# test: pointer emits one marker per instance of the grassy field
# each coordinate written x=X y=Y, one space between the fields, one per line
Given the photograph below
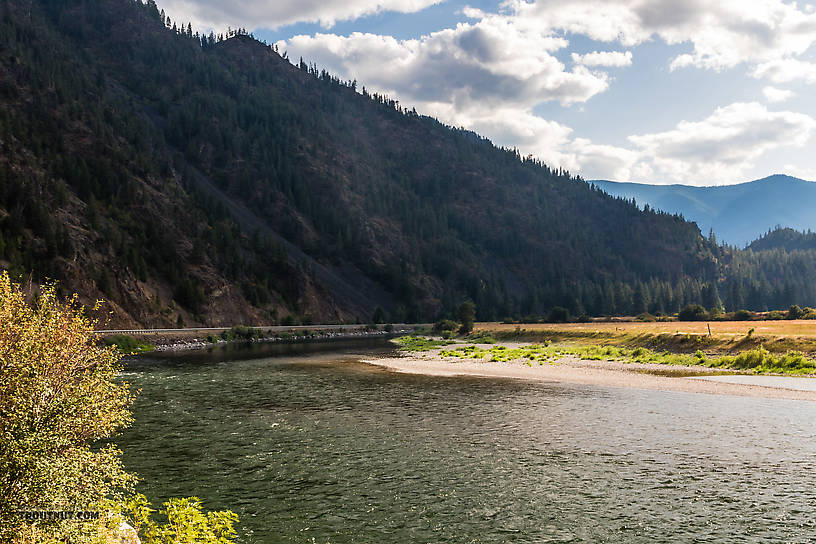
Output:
x=787 y=328
x=726 y=337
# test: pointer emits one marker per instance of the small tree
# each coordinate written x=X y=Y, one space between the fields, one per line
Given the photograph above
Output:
x=795 y=312
x=378 y=317
x=467 y=315
x=558 y=315
x=692 y=312
x=58 y=397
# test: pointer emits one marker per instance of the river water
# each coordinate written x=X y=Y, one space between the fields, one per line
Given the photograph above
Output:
x=308 y=445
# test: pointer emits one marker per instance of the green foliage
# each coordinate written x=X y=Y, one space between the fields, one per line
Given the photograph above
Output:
x=445 y=325
x=419 y=343
x=467 y=315
x=794 y=312
x=186 y=523
x=128 y=345
x=59 y=400
x=558 y=315
x=742 y=315
x=693 y=312
x=378 y=317
x=757 y=360
x=481 y=337
x=241 y=332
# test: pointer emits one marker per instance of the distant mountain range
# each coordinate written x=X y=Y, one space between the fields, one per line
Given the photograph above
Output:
x=738 y=214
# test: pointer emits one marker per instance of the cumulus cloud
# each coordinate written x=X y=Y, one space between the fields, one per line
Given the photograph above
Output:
x=774 y=94
x=490 y=63
x=786 y=70
x=723 y=34
x=604 y=58
x=722 y=146
x=254 y=14
x=486 y=75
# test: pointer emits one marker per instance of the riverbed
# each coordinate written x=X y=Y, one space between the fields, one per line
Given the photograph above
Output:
x=308 y=444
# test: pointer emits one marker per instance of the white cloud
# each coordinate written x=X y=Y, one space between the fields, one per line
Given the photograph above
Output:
x=773 y=94
x=487 y=65
x=796 y=171
x=722 y=146
x=253 y=14
x=486 y=75
x=786 y=70
x=722 y=34
x=604 y=58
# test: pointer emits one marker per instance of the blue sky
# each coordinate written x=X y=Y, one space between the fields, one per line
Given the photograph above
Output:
x=655 y=91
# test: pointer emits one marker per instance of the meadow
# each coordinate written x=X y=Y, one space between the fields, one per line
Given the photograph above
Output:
x=714 y=337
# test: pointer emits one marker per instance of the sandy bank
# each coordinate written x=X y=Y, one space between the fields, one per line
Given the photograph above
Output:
x=573 y=370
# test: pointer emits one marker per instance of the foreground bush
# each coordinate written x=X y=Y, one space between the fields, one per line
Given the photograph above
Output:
x=58 y=400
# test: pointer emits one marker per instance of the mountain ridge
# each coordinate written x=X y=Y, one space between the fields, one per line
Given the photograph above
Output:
x=187 y=179
x=739 y=213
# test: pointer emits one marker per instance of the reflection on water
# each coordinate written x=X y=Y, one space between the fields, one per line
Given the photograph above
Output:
x=318 y=448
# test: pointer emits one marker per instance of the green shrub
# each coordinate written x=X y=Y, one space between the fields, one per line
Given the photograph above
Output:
x=60 y=402
x=445 y=325
x=742 y=315
x=693 y=312
x=128 y=345
x=558 y=315
x=481 y=337
x=794 y=312
x=419 y=343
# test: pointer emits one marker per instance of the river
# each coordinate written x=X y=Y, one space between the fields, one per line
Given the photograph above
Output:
x=308 y=445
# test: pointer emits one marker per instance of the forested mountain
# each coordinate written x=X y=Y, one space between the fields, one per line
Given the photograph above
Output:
x=737 y=214
x=786 y=239
x=209 y=180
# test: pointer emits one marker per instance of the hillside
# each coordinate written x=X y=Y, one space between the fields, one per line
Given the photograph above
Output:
x=210 y=181
x=785 y=239
x=738 y=213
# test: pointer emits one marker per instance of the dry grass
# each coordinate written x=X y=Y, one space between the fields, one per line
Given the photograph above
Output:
x=796 y=328
x=675 y=336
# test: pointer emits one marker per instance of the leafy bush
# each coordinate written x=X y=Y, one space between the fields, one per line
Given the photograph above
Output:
x=419 y=343
x=693 y=312
x=742 y=315
x=646 y=317
x=59 y=400
x=445 y=325
x=481 y=337
x=185 y=522
x=240 y=332
x=558 y=315
x=128 y=345
x=794 y=312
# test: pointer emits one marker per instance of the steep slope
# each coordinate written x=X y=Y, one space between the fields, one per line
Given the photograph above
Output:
x=738 y=213
x=213 y=181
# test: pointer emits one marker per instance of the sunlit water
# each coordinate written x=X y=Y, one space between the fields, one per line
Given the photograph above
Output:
x=782 y=382
x=318 y=448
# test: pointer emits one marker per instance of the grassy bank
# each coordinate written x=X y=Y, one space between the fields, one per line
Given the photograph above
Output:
x=688 y=338
x=751 y=359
